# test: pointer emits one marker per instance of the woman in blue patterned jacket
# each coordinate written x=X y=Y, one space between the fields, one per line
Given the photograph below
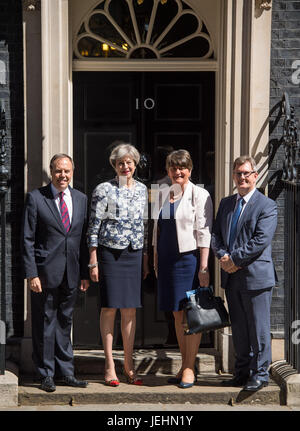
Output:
x=117 y=236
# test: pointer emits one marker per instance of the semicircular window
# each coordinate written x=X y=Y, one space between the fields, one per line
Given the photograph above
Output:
x=143 y=29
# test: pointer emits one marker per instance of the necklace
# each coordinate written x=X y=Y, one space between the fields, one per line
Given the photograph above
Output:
x=175 y=195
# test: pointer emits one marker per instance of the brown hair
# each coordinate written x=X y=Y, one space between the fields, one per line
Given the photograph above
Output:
x=180 y=158
x=60 y=156
x=244 y=159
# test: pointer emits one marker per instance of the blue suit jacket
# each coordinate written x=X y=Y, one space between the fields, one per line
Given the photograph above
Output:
x=48 y=251
x=252 y=249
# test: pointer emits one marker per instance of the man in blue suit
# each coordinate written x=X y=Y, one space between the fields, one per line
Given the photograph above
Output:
x=241 y=240
x=55 y=259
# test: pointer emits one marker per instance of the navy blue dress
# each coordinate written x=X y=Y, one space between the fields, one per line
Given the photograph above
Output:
x=177 y=272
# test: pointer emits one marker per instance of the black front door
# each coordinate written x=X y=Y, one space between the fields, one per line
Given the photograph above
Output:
x=157 y=112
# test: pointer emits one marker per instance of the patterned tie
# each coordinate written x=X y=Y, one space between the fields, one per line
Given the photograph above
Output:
x=64 y=212
x=234 y=222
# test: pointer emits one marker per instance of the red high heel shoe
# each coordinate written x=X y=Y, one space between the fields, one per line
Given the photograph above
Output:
x=134 y=380
x=113 y=383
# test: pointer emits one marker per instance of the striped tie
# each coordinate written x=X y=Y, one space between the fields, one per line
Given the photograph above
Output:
x=64 y=212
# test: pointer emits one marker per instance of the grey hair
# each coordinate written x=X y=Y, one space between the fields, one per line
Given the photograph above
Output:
x=123 y=150
x=244 y=159
x=60 y=156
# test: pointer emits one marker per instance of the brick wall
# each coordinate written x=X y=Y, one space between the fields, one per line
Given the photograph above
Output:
x=11 y=95
x=284 y=51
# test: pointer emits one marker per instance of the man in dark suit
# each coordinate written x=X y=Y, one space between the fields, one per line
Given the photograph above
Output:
x=55 y=258
x=241 y=240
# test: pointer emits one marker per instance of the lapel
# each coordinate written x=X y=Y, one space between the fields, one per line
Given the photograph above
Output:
x=160 y=196
x=182 y=204
x=74 y=208
x=49 y=199
x=164 y=195
x=229 y=210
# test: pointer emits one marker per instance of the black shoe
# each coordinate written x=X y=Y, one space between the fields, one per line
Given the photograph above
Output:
x=47 y=384
x=72 y=381
x=254 y=385
x=235 y=382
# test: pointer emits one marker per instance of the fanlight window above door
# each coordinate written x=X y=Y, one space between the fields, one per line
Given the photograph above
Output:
x=143 y=29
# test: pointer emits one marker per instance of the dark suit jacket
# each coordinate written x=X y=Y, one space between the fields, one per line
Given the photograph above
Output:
x=48 y=251
x=252 y=247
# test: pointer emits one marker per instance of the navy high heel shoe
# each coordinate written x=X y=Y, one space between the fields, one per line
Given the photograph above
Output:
x=184 y=385
x=177 y=380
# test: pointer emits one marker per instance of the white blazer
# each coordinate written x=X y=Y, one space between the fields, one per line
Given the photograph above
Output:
x=193 y=217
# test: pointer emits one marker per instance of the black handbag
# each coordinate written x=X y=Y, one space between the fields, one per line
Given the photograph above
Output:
x=204 y=312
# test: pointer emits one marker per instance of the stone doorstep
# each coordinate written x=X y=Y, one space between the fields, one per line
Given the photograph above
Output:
x=9 y=386
x=146 y=361
x=207 y=390
x=289 y=381
x=154 y=366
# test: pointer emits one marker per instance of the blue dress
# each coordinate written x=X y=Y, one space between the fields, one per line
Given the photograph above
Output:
x=177 y=272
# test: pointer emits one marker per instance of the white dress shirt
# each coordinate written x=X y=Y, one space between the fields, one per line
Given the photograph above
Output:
x=246 y=199
x=67 y=199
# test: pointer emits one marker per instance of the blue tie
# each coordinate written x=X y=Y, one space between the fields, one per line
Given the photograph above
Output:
x=234 y=222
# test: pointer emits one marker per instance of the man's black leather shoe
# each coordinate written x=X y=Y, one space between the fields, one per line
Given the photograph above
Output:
x=235 y=381
x=47 y=384
x=255 y=385
x=72 y=381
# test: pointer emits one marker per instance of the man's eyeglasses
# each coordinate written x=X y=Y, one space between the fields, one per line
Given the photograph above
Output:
x=246 y=174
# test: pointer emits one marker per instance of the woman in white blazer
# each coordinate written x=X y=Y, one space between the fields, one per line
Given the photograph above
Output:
x=183 y=216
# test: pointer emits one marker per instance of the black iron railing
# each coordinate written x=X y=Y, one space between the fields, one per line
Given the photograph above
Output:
x=4 y=177
x=291 y=179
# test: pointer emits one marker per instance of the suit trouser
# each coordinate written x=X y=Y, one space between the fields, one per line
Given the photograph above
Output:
x=52 y=312
x=250 y=320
